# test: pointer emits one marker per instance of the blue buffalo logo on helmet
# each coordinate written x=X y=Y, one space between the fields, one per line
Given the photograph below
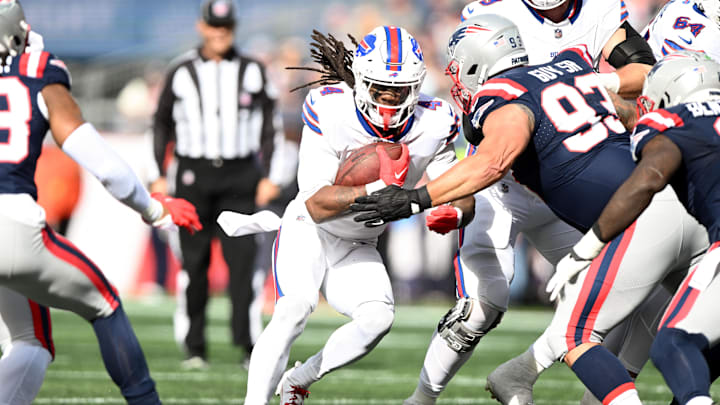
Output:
x=366 y=45
x=416 y=49
x=462 y=33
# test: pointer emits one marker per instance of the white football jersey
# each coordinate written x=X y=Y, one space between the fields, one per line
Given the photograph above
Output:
x=588 y=22
x=333 y=127
x=680 y=25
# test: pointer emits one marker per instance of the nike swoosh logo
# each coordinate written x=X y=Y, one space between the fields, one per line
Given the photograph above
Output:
x=470 y=10
x=399 y=175
x=686 y=41
x=312 y=102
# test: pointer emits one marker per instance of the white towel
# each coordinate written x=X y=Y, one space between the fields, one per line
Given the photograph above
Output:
x=236 y=224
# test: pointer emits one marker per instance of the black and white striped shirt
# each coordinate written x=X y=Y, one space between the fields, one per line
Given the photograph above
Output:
x=220 y=110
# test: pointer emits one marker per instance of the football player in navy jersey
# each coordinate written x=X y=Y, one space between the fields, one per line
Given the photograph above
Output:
x=555 y=126
x=36 y=262
x=676 y=142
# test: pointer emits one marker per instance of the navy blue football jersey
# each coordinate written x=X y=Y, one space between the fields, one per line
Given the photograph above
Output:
x=23 y=124
x=695 y=129
x=580 y=152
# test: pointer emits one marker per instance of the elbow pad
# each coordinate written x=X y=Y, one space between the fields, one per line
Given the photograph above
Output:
x=634 y=49
x=473 y=135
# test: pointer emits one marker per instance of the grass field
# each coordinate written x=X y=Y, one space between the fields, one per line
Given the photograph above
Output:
x=386 y=376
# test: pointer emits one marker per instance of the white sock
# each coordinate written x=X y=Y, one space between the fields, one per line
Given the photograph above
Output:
x=629 y=397
x=700 y=401
x=440 y=366
x=271 y=351
x=22 y=371
x=371 y=321
x=543 y=354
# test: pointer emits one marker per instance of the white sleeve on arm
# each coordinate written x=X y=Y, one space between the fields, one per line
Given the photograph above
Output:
x=444 y=159
x=318 y=164
x=89 y=149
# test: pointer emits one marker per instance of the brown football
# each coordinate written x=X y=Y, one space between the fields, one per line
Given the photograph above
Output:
x=362 y=165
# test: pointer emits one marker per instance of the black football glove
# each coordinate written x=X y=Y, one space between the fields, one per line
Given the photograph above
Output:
x=389 y=204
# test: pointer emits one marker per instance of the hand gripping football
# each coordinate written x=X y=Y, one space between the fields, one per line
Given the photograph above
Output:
x=362 y=165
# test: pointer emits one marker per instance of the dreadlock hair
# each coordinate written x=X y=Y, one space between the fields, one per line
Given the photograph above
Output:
x=335 y=60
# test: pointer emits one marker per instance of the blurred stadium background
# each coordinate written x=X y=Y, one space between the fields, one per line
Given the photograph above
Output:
x=117 y=52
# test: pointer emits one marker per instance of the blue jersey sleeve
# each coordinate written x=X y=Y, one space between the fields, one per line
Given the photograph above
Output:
x=57 y=72
x=44 y=67
x=494 y=94
x=649 y=126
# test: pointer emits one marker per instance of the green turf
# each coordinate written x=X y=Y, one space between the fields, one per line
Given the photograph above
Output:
x=386 y=376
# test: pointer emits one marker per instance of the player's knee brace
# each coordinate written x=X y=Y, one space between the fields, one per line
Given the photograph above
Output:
x=375 y=318
x=292 y=311
x=466 y=323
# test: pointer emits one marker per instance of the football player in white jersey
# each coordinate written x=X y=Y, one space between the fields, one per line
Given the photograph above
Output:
x=484 y=265
x=548 y=26
x=685 y=24
x=371 y=95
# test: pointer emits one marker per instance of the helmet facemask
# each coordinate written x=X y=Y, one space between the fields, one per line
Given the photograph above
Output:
x=463 y=94
x=386 y=105
x=544 y=4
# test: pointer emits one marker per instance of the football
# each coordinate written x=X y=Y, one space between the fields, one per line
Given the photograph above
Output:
x=362 y=165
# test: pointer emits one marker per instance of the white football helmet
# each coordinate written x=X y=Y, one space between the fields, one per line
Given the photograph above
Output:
x=13 y=28
x=711 y=8
x=388 y=60
x=480 y=47
x=680 y=78
x=544 y=4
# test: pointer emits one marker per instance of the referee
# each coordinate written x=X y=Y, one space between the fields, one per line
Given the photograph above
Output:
x=217 y=113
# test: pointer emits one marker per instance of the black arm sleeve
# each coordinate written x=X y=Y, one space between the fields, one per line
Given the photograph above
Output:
x=163 y=123
x=472 y=135
x=634 y=49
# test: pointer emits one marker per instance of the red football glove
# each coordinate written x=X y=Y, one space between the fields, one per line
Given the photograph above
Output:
x=444 y=219
x=393 y=171
x=181 y=212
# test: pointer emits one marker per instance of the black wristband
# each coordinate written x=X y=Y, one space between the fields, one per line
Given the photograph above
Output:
x=420 y=198
x=596 y=230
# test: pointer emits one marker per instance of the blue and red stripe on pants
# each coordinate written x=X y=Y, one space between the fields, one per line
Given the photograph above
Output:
x=683 y=300
x=595 y=289
x=64 y=250
x=42 y=325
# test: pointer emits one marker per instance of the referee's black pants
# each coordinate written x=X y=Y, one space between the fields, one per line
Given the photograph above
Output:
x=214 y=186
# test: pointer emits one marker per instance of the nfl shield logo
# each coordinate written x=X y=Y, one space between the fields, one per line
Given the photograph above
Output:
x=558 y=33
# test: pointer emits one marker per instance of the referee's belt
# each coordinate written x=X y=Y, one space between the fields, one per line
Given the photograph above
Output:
x=217 y=162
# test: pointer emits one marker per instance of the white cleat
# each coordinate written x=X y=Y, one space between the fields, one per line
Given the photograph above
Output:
x=291 y=394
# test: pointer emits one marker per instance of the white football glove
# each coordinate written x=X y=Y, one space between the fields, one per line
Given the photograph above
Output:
x=579 y=259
